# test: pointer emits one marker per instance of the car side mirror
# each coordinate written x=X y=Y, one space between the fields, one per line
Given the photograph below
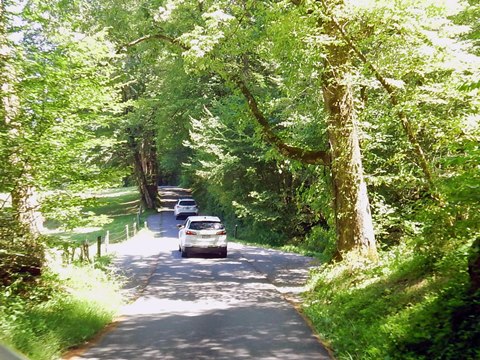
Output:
x=180 y=226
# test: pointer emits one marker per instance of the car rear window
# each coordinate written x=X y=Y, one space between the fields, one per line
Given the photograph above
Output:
x=187 y=203
x=206 y=225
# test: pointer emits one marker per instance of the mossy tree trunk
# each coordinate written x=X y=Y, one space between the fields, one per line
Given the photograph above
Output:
x=352 y=209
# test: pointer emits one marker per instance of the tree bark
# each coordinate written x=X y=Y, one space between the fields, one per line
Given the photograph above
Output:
x=474 y=268
x=354 y=223
x=145 y=167
x=26 y=206
x=392 y=95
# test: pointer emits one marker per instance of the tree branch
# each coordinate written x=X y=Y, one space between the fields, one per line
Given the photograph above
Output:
x=154 y=37
x=390 y=90
x=306 y=156
x=317 y=157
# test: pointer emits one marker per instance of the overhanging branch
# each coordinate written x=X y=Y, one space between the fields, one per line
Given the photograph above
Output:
x=305 y=156
x=390 y=90
x=154 y=37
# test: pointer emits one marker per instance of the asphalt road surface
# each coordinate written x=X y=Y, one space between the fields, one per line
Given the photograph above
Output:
x=239 y=307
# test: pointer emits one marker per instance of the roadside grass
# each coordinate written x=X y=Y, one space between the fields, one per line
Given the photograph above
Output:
x=313 y=246
x=117 y=208
x=60 y=310
x=42 y=317
x=397 y=308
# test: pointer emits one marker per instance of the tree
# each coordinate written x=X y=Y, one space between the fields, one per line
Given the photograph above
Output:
x=322 y=82
x=55 y=106
x=355 y=228
x=19 y=228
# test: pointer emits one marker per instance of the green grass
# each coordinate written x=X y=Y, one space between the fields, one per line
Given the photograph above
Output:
x=68 y=304
x=113 y=209
x=66 y=307
x=397 y=308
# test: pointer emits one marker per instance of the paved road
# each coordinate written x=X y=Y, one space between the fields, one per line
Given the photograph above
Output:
x=197 y=308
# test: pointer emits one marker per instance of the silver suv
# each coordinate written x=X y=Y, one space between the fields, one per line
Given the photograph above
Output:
x=184 y=208
x=202 y=235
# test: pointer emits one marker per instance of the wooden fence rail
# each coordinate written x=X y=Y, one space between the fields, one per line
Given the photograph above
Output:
x=82 y=252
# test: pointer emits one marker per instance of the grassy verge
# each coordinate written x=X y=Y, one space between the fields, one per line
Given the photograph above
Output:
x=398 y=308
x=112 y=210
x=61 y=309
x=44 y=316
x=313 y=246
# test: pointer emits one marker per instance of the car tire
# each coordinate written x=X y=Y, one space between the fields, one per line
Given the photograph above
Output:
x=223 y=253
x=184 y=254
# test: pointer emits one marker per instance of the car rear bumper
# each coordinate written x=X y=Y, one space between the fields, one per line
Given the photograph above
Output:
x=187 y=214
x=211 y=250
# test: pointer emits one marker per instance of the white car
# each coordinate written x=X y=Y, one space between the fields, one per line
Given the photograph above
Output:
x=202 y=235
x=184 y=208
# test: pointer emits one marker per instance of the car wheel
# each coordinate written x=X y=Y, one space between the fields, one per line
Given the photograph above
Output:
x=179 y=248
x=176 y=217
x=184 y=254
x=223 y=253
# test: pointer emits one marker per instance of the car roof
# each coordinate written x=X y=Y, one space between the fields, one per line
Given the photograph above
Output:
x=182 y=199
x=204 y=218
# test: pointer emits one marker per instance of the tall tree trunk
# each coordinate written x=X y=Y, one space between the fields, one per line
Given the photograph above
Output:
x=24 y=199
x=25 y=203
x=22 y=252
x=148 y=155
x=406 y=123
x=145 y=167
x=354 y=223
x=352 y=209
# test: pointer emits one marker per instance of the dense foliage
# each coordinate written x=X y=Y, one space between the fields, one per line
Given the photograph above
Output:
x=66 y=307
x=56 y=131
x=297 y=121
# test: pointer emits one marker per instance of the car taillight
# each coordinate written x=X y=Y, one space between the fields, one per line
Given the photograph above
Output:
x=223 y=232
x=190 y=232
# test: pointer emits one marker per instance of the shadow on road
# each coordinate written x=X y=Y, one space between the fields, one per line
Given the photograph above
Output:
x=203 y=308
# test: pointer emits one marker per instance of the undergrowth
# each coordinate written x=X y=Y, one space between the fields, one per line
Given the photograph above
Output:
x=44 y=316
x=401 y=307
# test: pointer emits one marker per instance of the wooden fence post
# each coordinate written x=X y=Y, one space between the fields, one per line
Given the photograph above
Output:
x=139 y=213
x=134 y=228
x=86 y=251
x=82 y=252
x=99 y=246
x=126 y=230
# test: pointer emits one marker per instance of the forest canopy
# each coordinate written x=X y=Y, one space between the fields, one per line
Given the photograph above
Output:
x=338 y=127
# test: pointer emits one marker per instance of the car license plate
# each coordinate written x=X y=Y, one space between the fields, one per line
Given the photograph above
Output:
x=205 y=236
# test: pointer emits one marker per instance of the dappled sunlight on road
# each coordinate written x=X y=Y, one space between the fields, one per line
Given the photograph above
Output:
x=207 y=308
x=214 y=335
x=149 y=305
x=169 y=197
